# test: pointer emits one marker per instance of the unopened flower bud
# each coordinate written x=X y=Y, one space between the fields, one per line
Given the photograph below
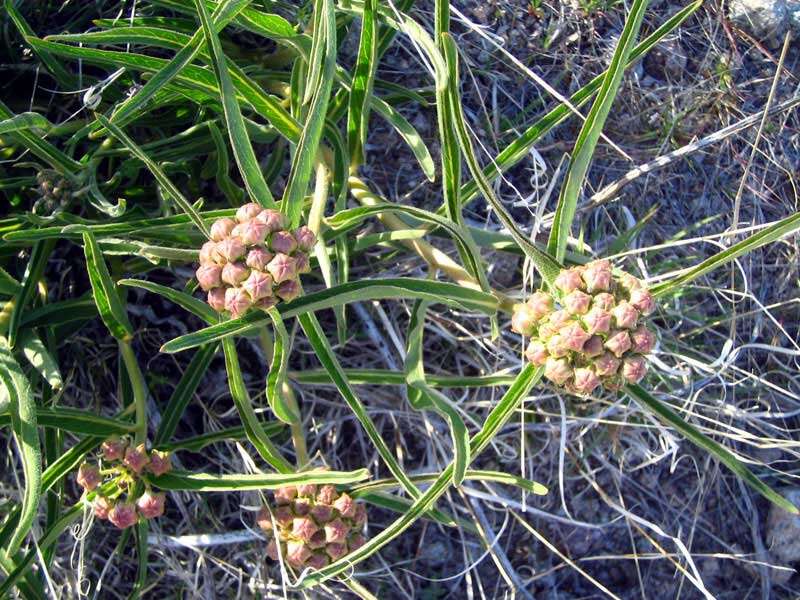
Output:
x=327 y=494
x=208 y=276
x=306 y=489
x=559 y=317
x=234 y=273
x=597 y=320
x=618 y=343
x=536 y=353
x=361 y=516
x=209 y=254
x=266 y=303
x=573 y=336
x=604 y=301
x=114 y=448
x=151 y=504
x=345 y=505
x=283 y=515
x=585 y=380
x=272 y=550
x=336 y=532
x=643 y=339
x=237 y=301
x=302 y=262
x=643 y=301
x=288 y=290
x=88 y=477
x=222 y=228
x=258 y=285
x=136 y=458
x=216 y=299
x=303 y=528
x=317 y=540
x=274 y=220
x=231 y=249
x=336 y=551
x=629 y=282
x=123 y=515
x=593 y=347
x=101 y=507
x=302 y=507
x=557 y=370
x=625 y=315
x=577 y=302
x=322 y=513
x=264 y=519
x=297 y=553
x=258 y=258
x=556 y=347
x=633 y=369
x=282 y=241
x=356 y=541
x=568 y=281
x=547 y=330
x=318 y=560
x=252 y=232
x=597 y=275
x=606 y=365
x=523 y=320
x=248 y=211
x=305 y=238
x=285 y=494
x=160 y=462
x=282 y=268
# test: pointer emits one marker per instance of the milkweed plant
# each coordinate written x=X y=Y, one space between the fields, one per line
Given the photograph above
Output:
x=259 y=250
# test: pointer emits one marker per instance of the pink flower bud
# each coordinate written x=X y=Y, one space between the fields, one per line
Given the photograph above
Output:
x=208 y=276
x=209 y=254
x=302 y=262
x=643 y=301
x=322 y=513
x=160 y=462
x=625 y=315
x=274 y=220
x=264 y=519
x=231 y=249
x=569 y=280
x=282 y=241
x=237 y=301
x=88 y=477
x=272 y=550
x=557 y=370
x=258 y=285
x=573 y=337
x=282 y=268
x=593 y=347
x=266 y=303
x=114 y=448
x=613 y=384
x=644 y=340
x=283 y=515
x=356 y=541
x=345 y=505
x=597 y=320
x=288 y=290
x=216 y=299
x=604 y=301
x=317 y=540
x=123 y=515
x=248 y=211
x=151 y=504
x=302 y=507
x=136 y=458
x=597 y=276
x=536 y=353
x=618 y=343
x=547 y=330
x=633 y=369
x=258 y=258
x=540 y=304
x=318 y=560
x=361 y=516
x=305 y=238
x=336 y=532
x=285 y=494
x=234 y=273
x=101 y=506
x=303 y=528
x=252 y=233
x=629 y=282
x=297 y=553
x=306 y=489
x=523 y=321
x=606 y=365
x=577 y=302
x=559 y=317
x=327 y=494
x=336 y=551
x=556 y=347
x=222 y=228
x=585 y=380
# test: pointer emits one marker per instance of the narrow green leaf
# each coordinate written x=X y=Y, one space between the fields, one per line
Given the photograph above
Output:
x=194 y=305
x=26 y=120
x=387 y=377
x=30 y=283
x=409 y=134
x=73 y=420
x=361 y=87
x=40 y=359
x=534 y=487
x=104 y=292
x=241 y=482
x=276 y=378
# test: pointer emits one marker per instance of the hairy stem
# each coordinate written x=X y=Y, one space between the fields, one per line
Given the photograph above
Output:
x=139 y=390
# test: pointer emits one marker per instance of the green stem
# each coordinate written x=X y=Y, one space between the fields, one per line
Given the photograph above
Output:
x=139 y=390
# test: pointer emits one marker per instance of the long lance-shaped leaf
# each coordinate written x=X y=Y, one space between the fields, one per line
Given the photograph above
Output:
x=534 y=487
x=767 y=235
x=40 y=358
x=547 y=266
x=361 y=88
x=325 y=355
x=74 y=421
x=194 y=305
x=236 y=482
x=104 y=292
x=255 y=432
x=519 y=149
x=725 y=456
x=30 y=283
x=23 y=121
x=23 y=421
x=590 y=133
x=276 y=379
x=157 y=172
x=306 y=153
x=240 y=141
x=387 y=377
x=498 y=417
x=354 y=291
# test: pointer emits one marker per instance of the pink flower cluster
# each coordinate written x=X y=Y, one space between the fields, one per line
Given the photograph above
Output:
x=311 y=526
x=123 y=464
x=591 y=331
x=253 y=261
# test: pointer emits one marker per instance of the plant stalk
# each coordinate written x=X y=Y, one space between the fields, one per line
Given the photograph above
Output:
x=139 y=390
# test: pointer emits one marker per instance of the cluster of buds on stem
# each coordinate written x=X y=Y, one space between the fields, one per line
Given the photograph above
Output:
x=55 y=192
x=123 y=464
x=253 y=261
x=591 y=330
x=311 y=526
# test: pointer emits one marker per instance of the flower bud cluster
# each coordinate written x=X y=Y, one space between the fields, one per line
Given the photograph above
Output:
x=312 y=526
x=54 y=191
x=591 y=331
x=253 y=260
x=123 y=463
